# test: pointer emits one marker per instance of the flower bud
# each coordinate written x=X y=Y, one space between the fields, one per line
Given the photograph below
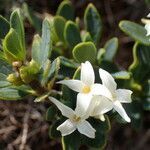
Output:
x=14 y=79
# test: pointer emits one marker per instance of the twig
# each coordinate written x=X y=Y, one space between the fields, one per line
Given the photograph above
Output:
x=25 y=130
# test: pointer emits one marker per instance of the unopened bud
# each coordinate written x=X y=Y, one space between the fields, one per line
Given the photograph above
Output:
x=14 y=79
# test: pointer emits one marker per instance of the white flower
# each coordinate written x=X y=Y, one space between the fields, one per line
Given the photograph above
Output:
x=147 y=24
x=76 y=119
x=85 y=86
x=114 y=98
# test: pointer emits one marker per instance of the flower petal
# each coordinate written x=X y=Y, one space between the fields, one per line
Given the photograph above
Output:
x=102 y=105
x=67 y=127
x=65 y=110
x=148 y=15
x=87 y=73
x=118 y=107
x=99 y=89
x=108 y=80
x=75 y=85
x=82 y=106
x=101 y=117
x=147 y=27
x=86 y=129
x=123 y=95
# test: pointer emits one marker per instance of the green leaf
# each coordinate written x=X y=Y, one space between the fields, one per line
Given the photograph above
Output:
x=12 y=47
x=2 y=77
x=45 y=47
x=93 y=22
x=53 y=132
x=102 y=129
x=121 y=75
x=146 y=103
x=50 y=71
x=68 y=63
x=36 y=51
x=111 y=47
x=147 y=2
x=67 y=67
x=2 y=56
x=146 y=96
x=100 y=55
x=135 y=31
x=109 y=66
x=85 y=51
x=5 y=68
x=69 y=97
x=134 y=110
x=72 y=34
x=4 y=27
x=87 y=37
x=33 y=19
x=4 y=84
x=51 y=113
x=59 y=25
x=11 y=93
x=141 y=64
x=66 y=10
x=16 y=23
x=71 y=142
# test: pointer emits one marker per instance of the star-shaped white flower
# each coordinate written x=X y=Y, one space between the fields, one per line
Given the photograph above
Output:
x=114 y=98
x=76 y=119
x=85 y=86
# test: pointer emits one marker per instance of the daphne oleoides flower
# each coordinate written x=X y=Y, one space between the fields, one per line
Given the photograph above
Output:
x=113 y=98
x=76 y=119
x=86 y=86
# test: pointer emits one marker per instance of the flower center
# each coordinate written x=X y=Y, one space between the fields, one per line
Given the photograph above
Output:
x=114 y=96
x=86 y=89
x=76 y=118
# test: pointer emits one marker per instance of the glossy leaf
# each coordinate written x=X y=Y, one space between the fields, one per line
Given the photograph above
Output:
x=36 y=51
x=85 y=51
x=72 y=34
x=16 y=22
x=51 y=113
x=66 y=10
x=50 y=71
x=53 y=132
x=135 y=31
x=102 y=129
x=5 y=68
x=134 y=110
x=71 y=142
x=87 y=37
x=33 y=19
x=45 y=43
x=141 y=63
x=59 y=25
x=121 y=75
x=10 y=93
x=100 y=55
x=111 y=47
x=4 y=27
x=93 y=22
x=146 y=96
x=12 y=47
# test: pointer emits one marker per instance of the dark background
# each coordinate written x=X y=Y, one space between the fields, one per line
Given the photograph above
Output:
x=22 y=123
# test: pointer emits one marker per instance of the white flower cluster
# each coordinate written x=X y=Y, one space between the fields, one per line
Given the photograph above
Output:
x=93 y=99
